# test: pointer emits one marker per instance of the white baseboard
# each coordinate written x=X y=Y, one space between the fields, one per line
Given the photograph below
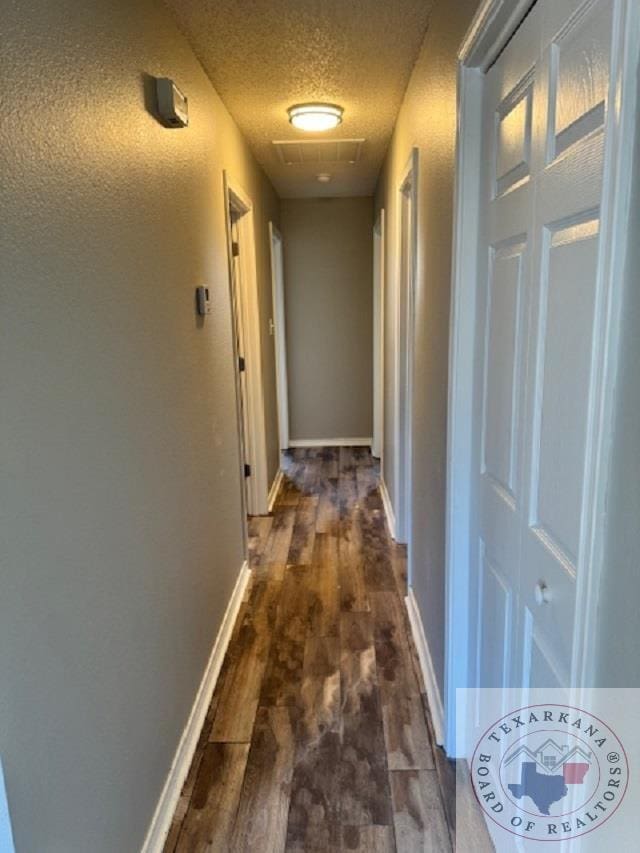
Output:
x=388 y=509
x=273 y=491
x=6 y=833
x=161 y=821
x=331 y=442
x=426 y=665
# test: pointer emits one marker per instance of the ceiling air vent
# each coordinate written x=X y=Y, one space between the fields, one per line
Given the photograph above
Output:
x=301 y=152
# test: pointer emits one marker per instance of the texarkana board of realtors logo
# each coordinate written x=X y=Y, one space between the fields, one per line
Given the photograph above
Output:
x=549 y=772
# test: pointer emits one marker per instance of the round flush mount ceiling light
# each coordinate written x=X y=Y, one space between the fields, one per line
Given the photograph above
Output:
x=324 y=177
x=315 y=117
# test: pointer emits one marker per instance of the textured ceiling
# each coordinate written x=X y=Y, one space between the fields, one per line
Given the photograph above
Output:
x=264 y=55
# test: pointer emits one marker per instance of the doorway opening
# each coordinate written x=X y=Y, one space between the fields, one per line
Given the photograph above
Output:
x=247 y=347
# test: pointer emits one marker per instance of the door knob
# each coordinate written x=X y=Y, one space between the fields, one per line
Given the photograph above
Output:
x=542 y=593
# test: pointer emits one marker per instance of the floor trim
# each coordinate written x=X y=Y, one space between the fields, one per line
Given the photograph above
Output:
x=388 y=508
x=273 y=491
x=6 y=833
x=161 y=821
x=331 y=442
x=426 y=665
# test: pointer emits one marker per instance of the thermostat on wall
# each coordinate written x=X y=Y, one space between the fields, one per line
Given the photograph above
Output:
x=172 y=104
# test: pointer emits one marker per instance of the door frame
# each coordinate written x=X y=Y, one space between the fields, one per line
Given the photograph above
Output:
x=245 y=304
x=493 y=26
x=279 y=333
x=377 y=447
x=404 y=350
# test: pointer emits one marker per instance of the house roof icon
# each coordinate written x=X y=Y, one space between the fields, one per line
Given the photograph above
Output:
x=550 y=756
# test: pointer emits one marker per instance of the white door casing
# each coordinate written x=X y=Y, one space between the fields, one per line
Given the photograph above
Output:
x=378 y=336
x=245 y=304
x=404 y=344
x=241 y=349
x=541 y=300
x=280 y=340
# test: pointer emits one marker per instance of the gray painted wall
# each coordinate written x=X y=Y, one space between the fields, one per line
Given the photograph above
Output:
x=328 y=265
x=121 y=535
x=427 y=120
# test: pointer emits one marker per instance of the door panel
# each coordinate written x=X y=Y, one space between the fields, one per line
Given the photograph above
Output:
x=579 y=75
x=503 y=350
x=565 y=335
x=495 y=616
x=541 y=672
x=513 y=148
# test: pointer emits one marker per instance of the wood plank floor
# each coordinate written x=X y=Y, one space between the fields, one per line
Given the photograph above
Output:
x=318 y=737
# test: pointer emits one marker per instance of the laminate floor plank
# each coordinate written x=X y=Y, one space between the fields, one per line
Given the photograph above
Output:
x=328 y=513
x=399 y=567
x=214 y=803
x=348 y=484
x=354 y=593
x=314 y=813
x=470 y=830
x=390 y=624
x=315 y=791
x=282 y=679
x=304 y=532
x=368 y=839
x=238 y=691
x=291 y=488
x=279 y=541
x=262 y=816
x=329 y=468
x=364 y=780
x=420 y=824
x=318 y=737
x=367 y=474
x=376 y=552
x=321 y=695
x=259 y=529
x=312 y=478
x=406 y=735
x=325 y=587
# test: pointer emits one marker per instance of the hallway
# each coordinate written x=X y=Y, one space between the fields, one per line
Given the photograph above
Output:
x=318 y=734
x=320 y=404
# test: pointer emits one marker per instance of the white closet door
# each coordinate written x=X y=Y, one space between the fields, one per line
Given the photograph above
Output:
x=539 y=319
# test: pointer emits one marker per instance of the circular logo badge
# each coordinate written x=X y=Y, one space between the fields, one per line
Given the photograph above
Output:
x=549 y=772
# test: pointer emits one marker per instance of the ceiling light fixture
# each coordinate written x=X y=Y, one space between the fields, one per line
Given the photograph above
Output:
x=315 y=117
x=324 y=177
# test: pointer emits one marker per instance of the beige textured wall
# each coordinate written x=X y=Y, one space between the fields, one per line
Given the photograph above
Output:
x=121 y=536
x=427 y=120
x=328 y=263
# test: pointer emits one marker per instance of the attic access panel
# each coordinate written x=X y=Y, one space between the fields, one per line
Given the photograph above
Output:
x=304 y=151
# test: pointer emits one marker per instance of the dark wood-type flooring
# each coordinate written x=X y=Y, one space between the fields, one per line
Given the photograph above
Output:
x=318 y=737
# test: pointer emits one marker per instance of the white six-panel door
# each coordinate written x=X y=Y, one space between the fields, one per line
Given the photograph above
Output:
x=540 y=312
